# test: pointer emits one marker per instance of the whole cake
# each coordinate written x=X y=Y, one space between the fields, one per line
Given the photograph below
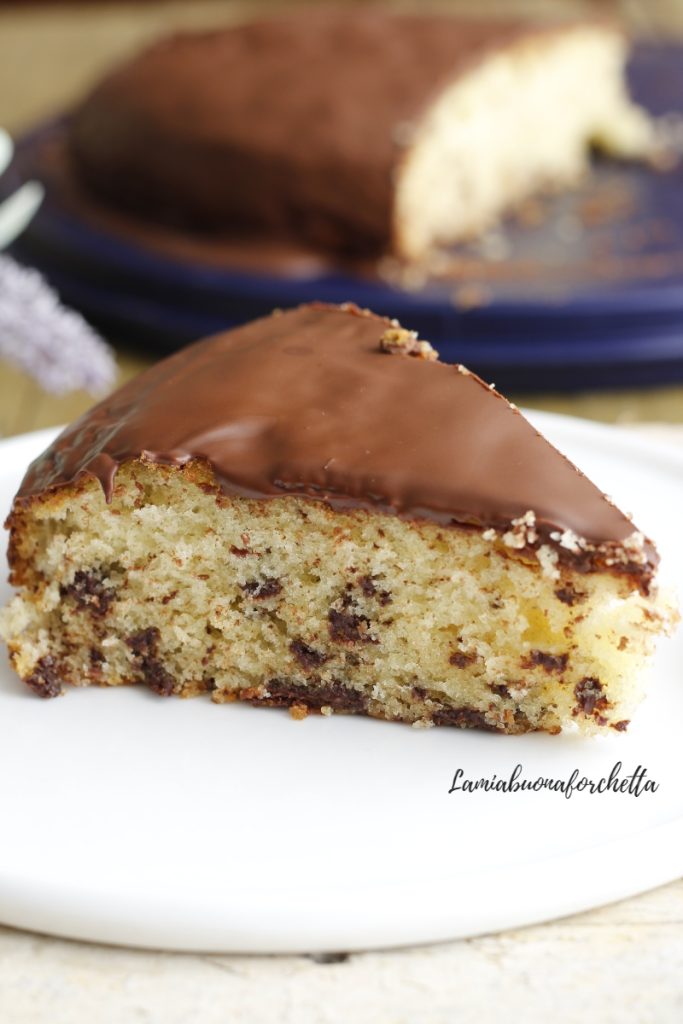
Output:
x=312 y=511
x=355 y=131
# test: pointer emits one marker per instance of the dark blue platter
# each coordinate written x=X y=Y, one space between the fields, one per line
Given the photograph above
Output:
x=591 y=296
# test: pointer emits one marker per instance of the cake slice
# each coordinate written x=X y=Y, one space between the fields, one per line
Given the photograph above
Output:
x=358 y=131
x=311 y=511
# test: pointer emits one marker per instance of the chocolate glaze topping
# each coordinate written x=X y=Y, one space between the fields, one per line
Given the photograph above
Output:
x=291 y=126
x=312 y=402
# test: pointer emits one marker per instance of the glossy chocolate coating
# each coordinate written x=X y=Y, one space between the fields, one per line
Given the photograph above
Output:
x=307 y=403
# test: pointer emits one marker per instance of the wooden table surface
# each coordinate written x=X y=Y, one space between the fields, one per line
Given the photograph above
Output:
x=618 y=964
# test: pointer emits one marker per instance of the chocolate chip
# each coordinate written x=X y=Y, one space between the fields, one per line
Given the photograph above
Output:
x=463 y=718
x=96 y=659
x=500 y=689
x=239 y=552
x=285 y=693
x=45 y=680
x=144 y=643
x=153 y=674
x=267 y=586
x=461 y=659
x=569 y=596
x=621 y=726
x=307 y=656
x=589 y=696
x=89 y=592
x=545 y=660
x=348 y=627
x=370 y=589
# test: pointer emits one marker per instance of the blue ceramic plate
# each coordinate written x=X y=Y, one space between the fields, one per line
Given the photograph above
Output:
x=588 y=295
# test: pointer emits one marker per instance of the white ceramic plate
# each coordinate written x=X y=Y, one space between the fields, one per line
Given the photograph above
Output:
x=127 y=818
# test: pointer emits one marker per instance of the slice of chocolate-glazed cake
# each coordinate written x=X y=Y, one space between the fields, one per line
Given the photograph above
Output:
x=312 y=511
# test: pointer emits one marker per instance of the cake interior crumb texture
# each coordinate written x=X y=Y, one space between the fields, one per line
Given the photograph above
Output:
x=284 y=601
x=521 y=122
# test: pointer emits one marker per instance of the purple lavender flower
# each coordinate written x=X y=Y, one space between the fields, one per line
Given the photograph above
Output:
x=52 y=344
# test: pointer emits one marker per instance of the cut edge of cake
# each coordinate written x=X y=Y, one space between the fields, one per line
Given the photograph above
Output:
x=286 y=602
x=519 y=123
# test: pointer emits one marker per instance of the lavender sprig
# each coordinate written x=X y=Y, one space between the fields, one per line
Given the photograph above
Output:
x=52 y=344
